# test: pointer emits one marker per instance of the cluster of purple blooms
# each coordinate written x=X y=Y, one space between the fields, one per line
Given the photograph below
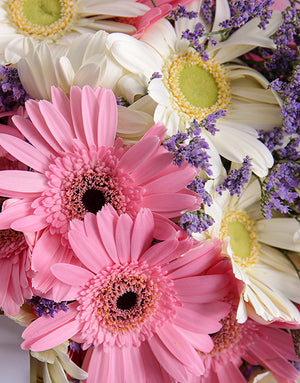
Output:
x=43 y=306
x=11 y=90
x=182 y=12
x=195 y=221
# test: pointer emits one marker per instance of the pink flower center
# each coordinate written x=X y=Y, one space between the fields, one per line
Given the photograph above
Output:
x=84 y=181
x=125 y=304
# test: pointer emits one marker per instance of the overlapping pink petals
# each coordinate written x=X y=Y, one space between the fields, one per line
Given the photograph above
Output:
x=107 y=239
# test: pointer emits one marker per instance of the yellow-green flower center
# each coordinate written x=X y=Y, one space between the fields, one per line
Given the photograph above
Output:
x=42 y=18
x=197 y=88
x=239 y=228
x=194 y=78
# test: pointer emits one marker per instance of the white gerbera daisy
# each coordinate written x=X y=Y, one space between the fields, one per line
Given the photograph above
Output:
x=60 y=21
x=190 y=88
x=253 y=244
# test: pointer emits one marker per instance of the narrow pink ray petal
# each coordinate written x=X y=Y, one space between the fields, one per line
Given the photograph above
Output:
x=142 y=233
x=158 y=129
x=159 y=252
x=99 y=366
x=107 y=222
x=152 y=168
x=58 y=125
x=122 y=237
x=201 y=342
x=24 y=152
x=15 y=288
x=13 y=211
x=61 y=101
x=91 y=253
x=90 y=111
x=139 y=154
x=45 y=325
x=196 y=261
x=30 y=223
x=194 y=321
x=281 y=341
x=272 y=360
x=171 y=364
x=5 y=273
x=77 y=113
x=164 y=228
x=21 y=183
x=55 y=337
x=212 y=310
x=40 y=125
x=133 y=365
x=116 y=366
x=171 y=205
x=229 y=373
x=201 y=289
x=151 y=364
x=107 y=118
x=71 y=274
x=173 y=181
x=34 y=137
x=181 y=348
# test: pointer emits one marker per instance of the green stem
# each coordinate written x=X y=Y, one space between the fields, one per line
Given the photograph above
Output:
x=291 y=262
x=154 y=4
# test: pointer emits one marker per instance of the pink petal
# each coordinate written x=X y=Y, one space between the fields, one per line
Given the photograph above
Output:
x=24 y=152
x=196 y=261
x=90 y=112
x=151 y=168
x=174 y=181
x=151 y=365
x=139 y=154
x=171 y=364
x=164 y=228
x=21 y=183
x=281 y=341
x=58 y=126
x=201 y=289
x=201 y=342
x=71 y=274
x=133 y=365
x=13 y=211
x=88 y=249
x=40 y=126
x=229 y=373
x=157 y=253
x=5 y=273
x=158 y=129
x=107 y=118
x=194 y=321
x=29 y=131
x=77 y=113
x=45 y=325
x=105 y=366
x=123 y=235
x=142 y=233
x=30 y=223
x=61 y=102
x=169 y=204
x=181 y=348
x=107 y=220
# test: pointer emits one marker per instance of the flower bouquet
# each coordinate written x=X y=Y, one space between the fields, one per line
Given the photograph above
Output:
x=149 y=183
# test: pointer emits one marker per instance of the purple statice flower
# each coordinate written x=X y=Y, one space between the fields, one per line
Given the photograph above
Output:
x=193 y=38
x=198 y=186
x=12 y=93
x=182 y=12
x=155 y=75
x=209 y=122
x=195 y=221
x=290 y=111
x=75 y=347
x=122 y=102
x=279 y=189
x=43 y=306
x=272 y=139
x=207 y=11
x=191 y=149
x=237 y=179
x=243 y=11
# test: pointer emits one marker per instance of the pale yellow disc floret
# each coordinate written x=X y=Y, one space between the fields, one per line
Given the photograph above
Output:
x=243 y=239
x=42 y=18
x=197 y=88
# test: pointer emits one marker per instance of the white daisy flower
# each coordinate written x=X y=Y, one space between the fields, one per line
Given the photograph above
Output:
x=52 y=366
x=59 y=21
x=191 y=88
x=271 y=282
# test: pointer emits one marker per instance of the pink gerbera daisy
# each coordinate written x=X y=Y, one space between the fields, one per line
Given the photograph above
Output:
x=79 y=166
x=258 y=344
x=140 y=310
